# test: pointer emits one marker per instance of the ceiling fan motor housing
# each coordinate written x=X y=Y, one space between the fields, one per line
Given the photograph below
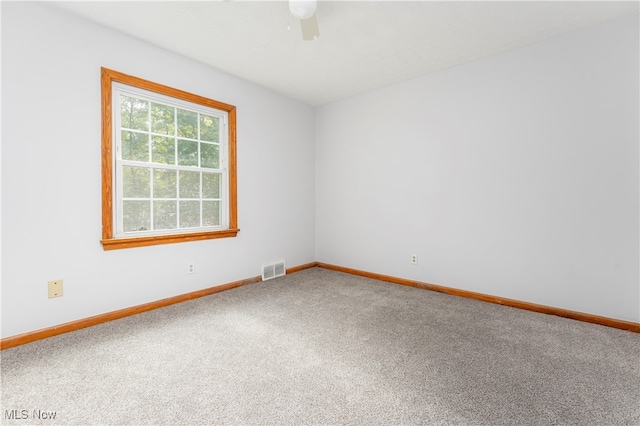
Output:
x=302 y=9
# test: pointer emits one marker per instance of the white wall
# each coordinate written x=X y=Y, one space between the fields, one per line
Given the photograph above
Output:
x=515 y=176
x=51 y=199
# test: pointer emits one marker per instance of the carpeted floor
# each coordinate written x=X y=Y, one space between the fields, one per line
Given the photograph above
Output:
x=322 y=347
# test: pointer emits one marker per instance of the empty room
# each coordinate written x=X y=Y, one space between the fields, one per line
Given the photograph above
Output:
x=320 y=212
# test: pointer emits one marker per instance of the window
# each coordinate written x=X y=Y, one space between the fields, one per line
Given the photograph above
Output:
x=168 y=164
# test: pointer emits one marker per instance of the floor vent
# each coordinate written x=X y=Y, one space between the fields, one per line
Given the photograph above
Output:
x=274 y=270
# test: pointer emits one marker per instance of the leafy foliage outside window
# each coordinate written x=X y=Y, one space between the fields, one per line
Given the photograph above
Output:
x=160 y=198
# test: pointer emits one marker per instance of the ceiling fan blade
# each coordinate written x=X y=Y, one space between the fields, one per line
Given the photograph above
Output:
x=310 y=29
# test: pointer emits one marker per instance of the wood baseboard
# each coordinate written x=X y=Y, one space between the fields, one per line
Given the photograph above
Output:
x=580 y=316
x=21 y=339
x=301 y=267
x=29 y=337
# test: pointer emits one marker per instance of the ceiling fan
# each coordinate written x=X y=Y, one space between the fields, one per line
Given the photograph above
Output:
x=305 y=10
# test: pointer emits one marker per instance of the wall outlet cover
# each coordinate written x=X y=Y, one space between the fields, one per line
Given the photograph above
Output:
x=55 y=288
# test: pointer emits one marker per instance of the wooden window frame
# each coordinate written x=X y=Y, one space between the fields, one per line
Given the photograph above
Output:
x=109 y=240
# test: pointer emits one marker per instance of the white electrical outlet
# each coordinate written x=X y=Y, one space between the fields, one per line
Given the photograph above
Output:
x=191 y=268
x=414 y=259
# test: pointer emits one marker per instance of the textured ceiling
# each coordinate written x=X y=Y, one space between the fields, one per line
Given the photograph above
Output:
x=363 y=45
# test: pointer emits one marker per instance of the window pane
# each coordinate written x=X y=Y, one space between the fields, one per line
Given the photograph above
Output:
x=162 y=119
x=210 y=185
x=209 y=155
x=135 y=146
x=209 y=128
x=135 y=182
x=134 y=113
x=164 y=214
x=164 y=183
x=211 y=213
x=187 y=153
x=163 y=150
x=189 y=214
x=187 y=124
x=189 y=184
x=135 y=215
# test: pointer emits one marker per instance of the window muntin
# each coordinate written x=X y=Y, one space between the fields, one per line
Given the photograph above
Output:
x=170 y=161
x=172 y=174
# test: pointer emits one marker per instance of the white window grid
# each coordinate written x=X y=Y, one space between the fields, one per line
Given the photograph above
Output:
x=120 y=89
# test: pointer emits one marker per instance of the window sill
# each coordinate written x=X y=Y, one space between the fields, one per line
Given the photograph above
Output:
x=122 y=243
